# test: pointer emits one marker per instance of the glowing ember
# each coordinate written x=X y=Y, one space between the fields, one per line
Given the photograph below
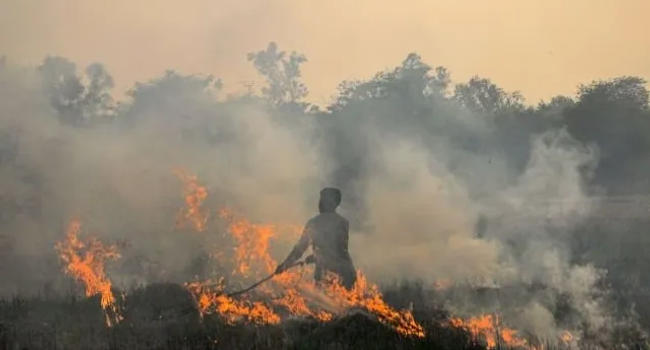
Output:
x=85 y=262
x=486 y=327
x=194 y=195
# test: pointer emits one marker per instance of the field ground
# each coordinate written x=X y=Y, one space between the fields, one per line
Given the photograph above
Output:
x=163 y=316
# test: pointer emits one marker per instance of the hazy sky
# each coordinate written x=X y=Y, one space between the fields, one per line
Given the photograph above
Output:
x=540 y=47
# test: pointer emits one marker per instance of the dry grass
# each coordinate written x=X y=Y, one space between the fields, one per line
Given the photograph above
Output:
x=162 y=316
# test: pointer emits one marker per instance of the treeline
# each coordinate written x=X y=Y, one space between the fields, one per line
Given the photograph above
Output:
x=414 y=99
x=417 y=156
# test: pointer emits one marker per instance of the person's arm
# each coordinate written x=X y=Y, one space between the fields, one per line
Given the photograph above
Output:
x=343 y=239
x=297 y=251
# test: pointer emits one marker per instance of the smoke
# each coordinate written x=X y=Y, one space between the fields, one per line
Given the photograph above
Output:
x=480 y=195
x=422 y=217
x=117 y=175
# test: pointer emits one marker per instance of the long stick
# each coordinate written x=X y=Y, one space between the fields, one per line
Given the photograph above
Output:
x=254 y=285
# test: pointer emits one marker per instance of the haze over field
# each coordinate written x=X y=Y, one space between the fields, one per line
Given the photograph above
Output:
x=540 y=48
x=449 y=178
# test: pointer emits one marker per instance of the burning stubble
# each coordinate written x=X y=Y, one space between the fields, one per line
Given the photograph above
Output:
x=418 y=165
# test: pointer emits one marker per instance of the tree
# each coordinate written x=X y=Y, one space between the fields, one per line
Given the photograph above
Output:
x=628 y=93
x=182 y=101
x=413 y=81
x=483 y=96
x=77 y=103
x=282 y=74
x=614 y=114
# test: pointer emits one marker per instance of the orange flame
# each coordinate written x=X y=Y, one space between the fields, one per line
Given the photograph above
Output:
x=486 y=327
x=566 y=337
x=366 y=295
x=295 y=294
x=233 y=310
x=252 y=243
x=85 y=262
x=194 y=195
x=289 y=290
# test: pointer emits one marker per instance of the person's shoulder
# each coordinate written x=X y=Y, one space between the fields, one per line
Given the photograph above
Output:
x=327 y=217
x=341 y=218
x=314 y=219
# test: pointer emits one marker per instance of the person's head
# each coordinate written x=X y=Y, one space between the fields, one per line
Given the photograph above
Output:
x=330 y=198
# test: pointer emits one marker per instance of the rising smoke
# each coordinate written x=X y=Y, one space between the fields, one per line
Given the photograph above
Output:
x=419 y=164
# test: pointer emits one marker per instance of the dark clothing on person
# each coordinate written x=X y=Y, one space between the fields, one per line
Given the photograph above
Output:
x=328 y=235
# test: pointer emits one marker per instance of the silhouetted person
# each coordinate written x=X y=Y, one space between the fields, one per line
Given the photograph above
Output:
x=327 y=233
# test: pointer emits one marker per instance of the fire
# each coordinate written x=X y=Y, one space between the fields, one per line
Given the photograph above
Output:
x=367 y=296
x=297 y=294
x=194 y=195
x=85 y=262
x=252 y=243
x=487 y=327
x=209 y=300
x=566 y=337
x=495 y=335
x=290 y=291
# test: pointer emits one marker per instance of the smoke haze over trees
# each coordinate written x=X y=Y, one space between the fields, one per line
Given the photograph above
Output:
x=420 y=160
